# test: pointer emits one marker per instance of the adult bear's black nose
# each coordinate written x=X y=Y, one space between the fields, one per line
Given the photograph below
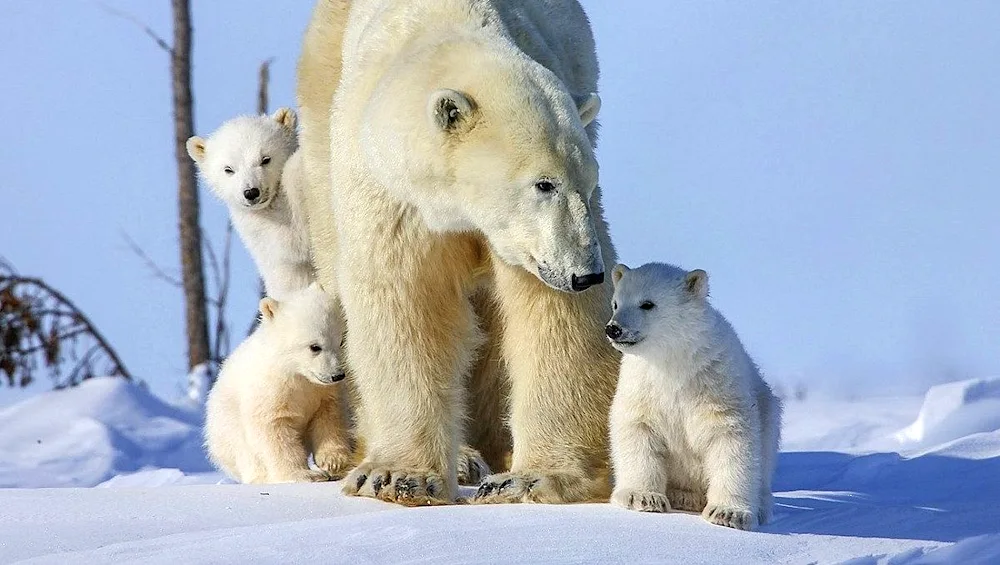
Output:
x=251 y=194
x=613 y=330
x=586 y=281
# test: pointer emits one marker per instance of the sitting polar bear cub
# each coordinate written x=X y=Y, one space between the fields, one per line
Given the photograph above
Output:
x=252 y=163
x=693 y=424
x=261 y=422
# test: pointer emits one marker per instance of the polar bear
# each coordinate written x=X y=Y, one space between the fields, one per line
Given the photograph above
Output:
x=464 y=198
x=693 y=424
x=253 y=165
x=270 y=407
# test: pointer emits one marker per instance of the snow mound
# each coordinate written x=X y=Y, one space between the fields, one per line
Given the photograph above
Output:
x=85 y=435
x=953 y=411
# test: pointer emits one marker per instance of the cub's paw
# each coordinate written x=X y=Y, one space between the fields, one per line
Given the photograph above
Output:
x=407 y=487
x=305 y=476
x=730 y=516
x=643 y=501
x=531 y=486
x=687 y=500
x=471 y=466
x=333 y=459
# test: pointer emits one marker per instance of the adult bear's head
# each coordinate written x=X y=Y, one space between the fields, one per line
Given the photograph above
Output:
x=477 y=136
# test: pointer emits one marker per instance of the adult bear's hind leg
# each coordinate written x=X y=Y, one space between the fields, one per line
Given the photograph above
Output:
x=488 y=389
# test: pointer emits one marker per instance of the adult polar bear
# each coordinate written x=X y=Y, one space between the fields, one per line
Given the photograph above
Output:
x=466 y=224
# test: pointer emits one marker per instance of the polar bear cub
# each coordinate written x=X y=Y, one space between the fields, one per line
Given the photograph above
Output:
x=260 y=424
x=693 y=424
x=253 y=165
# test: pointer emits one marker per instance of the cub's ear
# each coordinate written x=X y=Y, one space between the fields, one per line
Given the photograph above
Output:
x=451 y=111
x=286 y=118
x=618 y=272
x=268 y=308
x=696 y=283
x=588 y=105
x=315 y=285
x=196 y=149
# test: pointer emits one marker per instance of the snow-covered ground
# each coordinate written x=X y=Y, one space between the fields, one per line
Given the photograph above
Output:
x=898 y=480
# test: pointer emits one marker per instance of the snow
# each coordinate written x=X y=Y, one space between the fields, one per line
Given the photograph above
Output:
x=898 y=480
x=953 y=411
x=86 y=435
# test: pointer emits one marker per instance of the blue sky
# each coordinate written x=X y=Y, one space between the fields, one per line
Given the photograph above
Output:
x=834 y=166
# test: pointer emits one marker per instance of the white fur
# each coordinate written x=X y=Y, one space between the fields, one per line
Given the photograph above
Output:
x=261 y=413
x=469 y=126
x=430 y=145
x=693 y=424
x=271 y=226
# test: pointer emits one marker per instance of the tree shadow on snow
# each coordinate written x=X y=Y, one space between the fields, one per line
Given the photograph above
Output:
x=884 y=495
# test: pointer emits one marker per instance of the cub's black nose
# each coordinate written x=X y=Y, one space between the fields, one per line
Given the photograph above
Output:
x=338 y=377
x=586 y=281
x=614 y=331
x=251 y=194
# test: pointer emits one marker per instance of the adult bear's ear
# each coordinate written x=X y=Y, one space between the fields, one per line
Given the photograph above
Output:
x=196 y=148
x=268 y=308
x=696 y=283
x=286 y=118
x=588 y=105
x=451 y=111
x=618 y=272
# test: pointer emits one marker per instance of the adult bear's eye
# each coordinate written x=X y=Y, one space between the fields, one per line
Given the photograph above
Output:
x=265 y=161
x=614 y=305
x=315 y=348
x=229 y=170
x=647 y=305
x=545 y=185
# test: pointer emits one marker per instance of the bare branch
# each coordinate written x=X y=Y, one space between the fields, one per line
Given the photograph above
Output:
x=39 y=326
x=157 y=271
x=138 y=23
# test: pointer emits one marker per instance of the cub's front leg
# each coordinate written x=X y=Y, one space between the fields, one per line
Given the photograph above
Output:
x=732 y=468
x=329 y=434
x=278 y=444
x=637 y=454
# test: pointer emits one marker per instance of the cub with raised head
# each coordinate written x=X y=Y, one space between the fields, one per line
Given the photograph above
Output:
x=693 y=424
x=271 y=405
x=253 y=165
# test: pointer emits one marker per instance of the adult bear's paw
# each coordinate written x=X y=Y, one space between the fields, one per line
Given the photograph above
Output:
x=408 y=487
x=471 y=466
x=531 y=486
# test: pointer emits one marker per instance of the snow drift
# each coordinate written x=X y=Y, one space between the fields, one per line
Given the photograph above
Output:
x=953 y=411
x=86 y=435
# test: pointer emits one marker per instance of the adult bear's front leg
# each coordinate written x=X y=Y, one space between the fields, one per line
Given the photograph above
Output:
x=411 y=337
x=563 y=375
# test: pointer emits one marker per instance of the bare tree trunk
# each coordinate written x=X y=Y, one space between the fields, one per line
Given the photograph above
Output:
x=263 y=79
x=192 y=270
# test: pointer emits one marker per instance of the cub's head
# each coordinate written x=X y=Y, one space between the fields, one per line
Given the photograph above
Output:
x=479 y=138
x=242 y=160
x=656 y=307
x=306 y=330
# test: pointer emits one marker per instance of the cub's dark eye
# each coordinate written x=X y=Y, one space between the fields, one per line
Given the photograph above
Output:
x=545 y=185
x=614 y=305
x=265 y=161
x=229 y=170
x=315 y=348
x=647 y=305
